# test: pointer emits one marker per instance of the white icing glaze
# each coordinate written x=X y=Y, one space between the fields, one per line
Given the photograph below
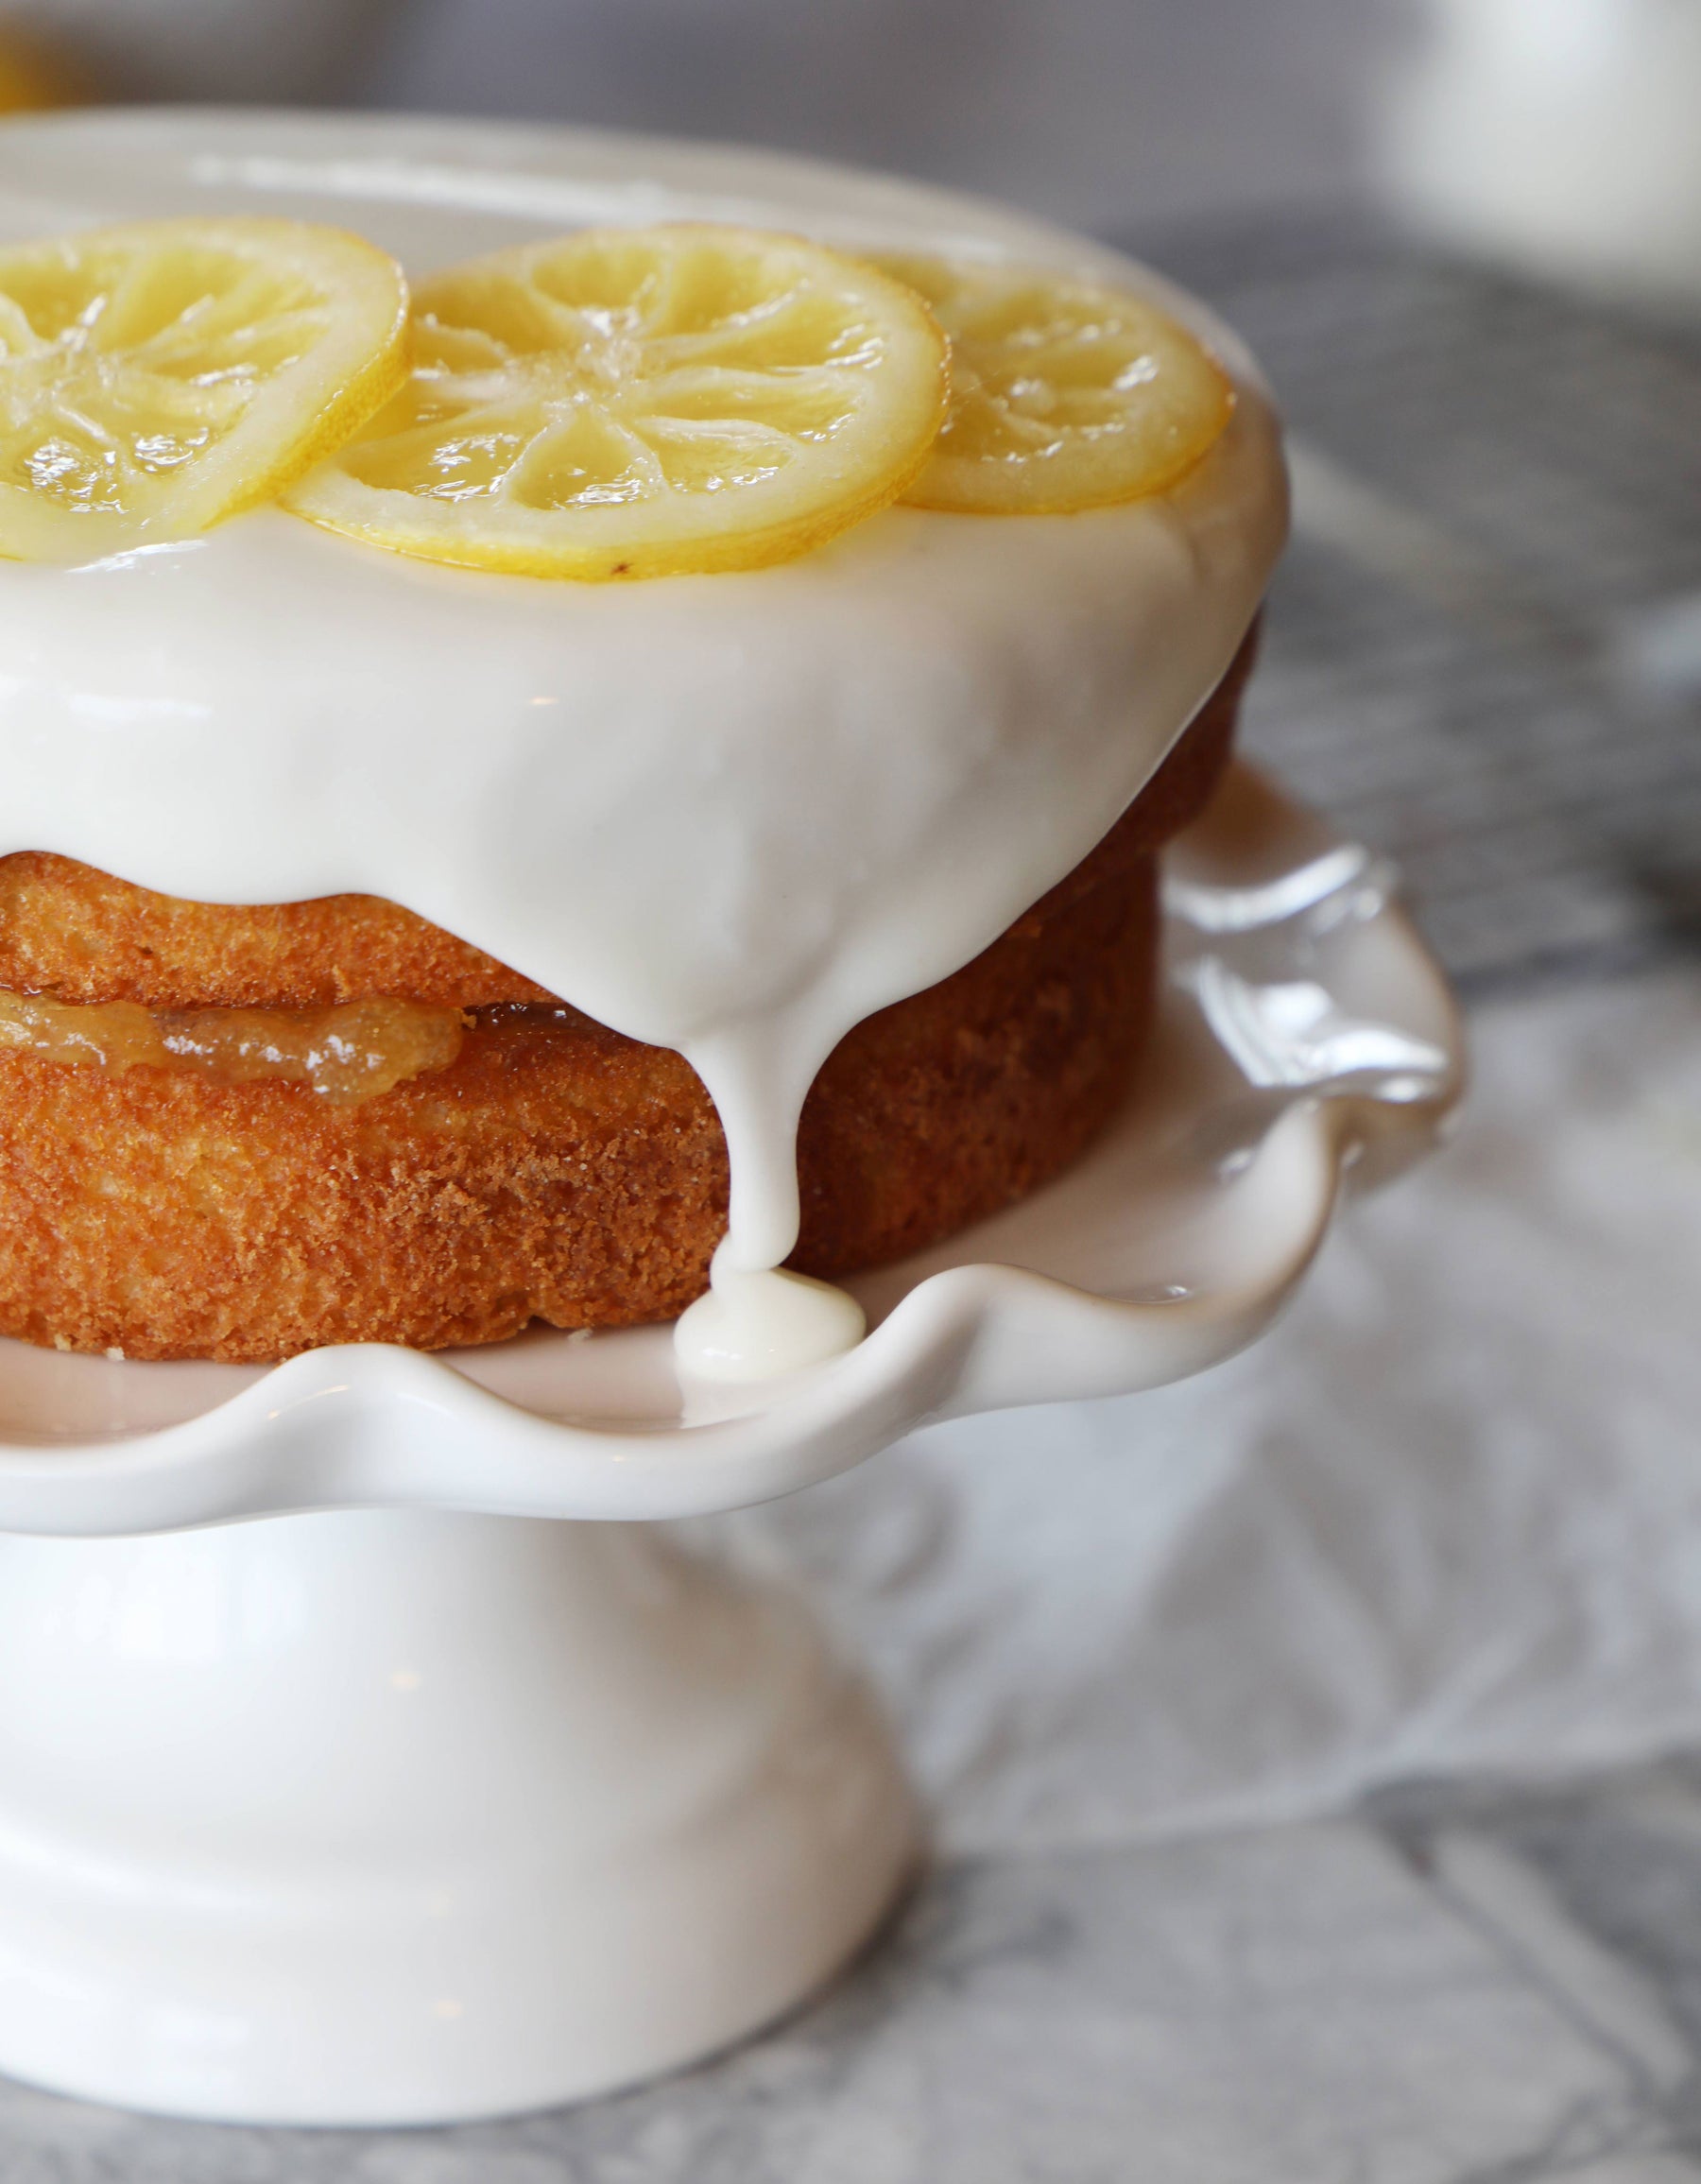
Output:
x=731 y=815
x=761 y=1326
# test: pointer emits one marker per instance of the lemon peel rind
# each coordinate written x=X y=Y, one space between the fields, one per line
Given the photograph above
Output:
x=634 y=562
x=354 y=404
x=960 y=496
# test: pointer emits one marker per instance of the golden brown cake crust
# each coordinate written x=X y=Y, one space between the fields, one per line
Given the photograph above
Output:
x=559 y=1172
x=68 y=930
x=555 y=1169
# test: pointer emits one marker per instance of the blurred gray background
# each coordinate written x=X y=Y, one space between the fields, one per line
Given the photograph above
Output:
x=1100 y=113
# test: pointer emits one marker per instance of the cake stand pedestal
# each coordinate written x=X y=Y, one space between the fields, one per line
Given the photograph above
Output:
x=394 y=1815
x=338 y=1786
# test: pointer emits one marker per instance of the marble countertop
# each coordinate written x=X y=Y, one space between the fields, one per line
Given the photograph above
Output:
x=1462 y=1984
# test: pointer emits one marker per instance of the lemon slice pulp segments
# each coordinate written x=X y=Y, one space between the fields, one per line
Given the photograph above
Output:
x=641 y=402
x=156 y=377
x=1064 y=395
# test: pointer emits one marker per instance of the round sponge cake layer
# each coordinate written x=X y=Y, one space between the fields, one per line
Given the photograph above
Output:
x=555 y=1170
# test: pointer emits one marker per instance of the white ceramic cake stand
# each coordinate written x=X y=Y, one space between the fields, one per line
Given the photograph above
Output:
x=405 y=1805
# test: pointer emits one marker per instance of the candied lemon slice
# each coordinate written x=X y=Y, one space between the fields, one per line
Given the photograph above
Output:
x=1064 y=395
x=154 y=378
x=641 y=402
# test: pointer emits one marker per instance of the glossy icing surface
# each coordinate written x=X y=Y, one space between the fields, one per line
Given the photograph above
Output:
x=731 y=815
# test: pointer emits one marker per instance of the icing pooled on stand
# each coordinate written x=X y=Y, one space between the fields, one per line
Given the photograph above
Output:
x=731 y=815
x=764 y=1324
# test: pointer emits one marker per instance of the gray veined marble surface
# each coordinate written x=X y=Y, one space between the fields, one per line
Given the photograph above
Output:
x=1453 y=1986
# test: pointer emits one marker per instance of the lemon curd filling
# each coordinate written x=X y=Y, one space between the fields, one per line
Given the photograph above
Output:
x=347 y=1053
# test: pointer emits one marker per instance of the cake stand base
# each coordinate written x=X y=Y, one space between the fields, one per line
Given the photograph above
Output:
x=400 y=1816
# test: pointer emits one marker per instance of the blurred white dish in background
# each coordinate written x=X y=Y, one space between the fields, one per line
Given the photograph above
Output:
x=1560 y=133
x=229 y=49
